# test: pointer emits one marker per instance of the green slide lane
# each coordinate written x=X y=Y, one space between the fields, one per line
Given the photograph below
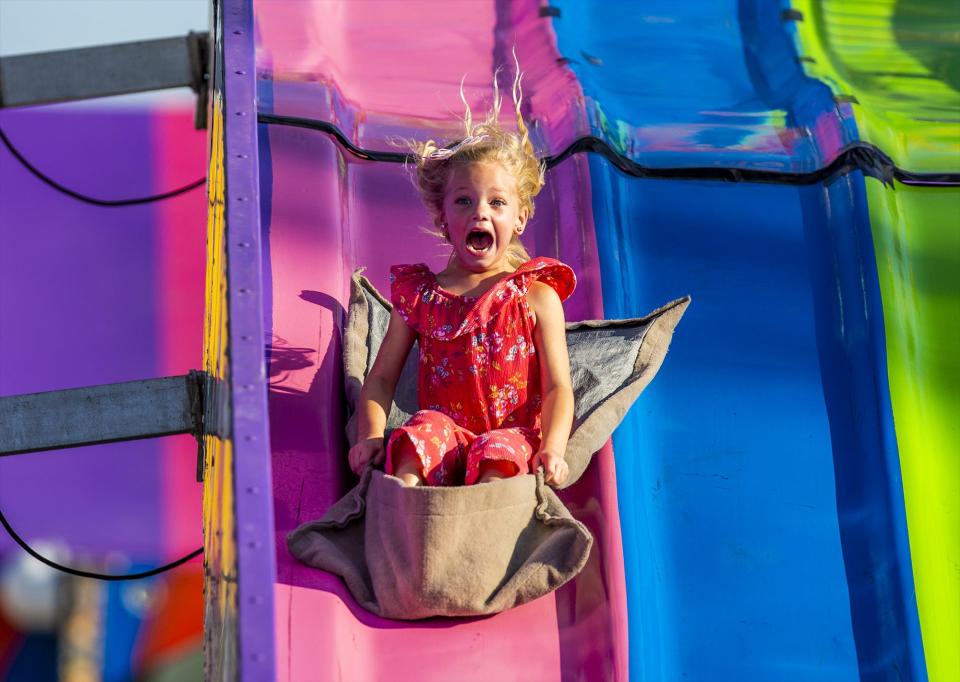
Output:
x=917 y=242
x=896 y=64
x=900 y=62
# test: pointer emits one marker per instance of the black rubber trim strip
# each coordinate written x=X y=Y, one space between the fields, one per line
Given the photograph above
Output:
x=93 y=200
x=91 y=574
x=334 y=132
x=862 y=156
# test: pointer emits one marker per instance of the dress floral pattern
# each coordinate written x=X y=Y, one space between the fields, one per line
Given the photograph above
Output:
x=479 y=376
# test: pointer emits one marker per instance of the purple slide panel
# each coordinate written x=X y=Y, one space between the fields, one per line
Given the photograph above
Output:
x=78 y=307
x=256 y=569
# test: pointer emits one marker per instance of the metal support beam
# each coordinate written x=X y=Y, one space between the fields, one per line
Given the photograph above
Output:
x=102 y=414
x=106 y=70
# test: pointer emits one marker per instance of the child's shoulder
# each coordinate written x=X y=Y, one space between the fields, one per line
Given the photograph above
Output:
x=549 y=272
x=411 y=277
x=409 y=270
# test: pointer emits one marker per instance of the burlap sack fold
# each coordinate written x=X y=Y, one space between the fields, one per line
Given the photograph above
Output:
x=410 y=553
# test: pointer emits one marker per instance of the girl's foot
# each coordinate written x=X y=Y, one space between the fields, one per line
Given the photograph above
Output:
x=410 y=479
x=493 y=469
x=409 y=469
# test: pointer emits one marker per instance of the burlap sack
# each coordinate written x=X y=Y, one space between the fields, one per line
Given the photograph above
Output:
x=411 y=553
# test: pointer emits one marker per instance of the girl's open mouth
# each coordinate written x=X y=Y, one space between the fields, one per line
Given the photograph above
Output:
x=479 y=242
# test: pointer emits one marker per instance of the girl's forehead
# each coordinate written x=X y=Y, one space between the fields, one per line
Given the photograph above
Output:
x=481 y=174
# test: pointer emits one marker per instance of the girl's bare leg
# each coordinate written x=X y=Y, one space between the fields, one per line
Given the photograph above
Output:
x=408 y=468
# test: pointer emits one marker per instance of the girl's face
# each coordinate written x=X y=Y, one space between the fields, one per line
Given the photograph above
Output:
x=482 y=211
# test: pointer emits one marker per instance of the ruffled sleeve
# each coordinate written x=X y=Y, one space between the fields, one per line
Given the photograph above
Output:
x=558 y=275
x=408 y=284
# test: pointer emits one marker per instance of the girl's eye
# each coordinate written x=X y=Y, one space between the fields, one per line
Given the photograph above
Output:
x=498 y=202
x=462 y=201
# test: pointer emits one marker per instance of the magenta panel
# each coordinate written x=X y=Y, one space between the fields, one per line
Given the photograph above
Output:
x=352 y=64
x=325 y=213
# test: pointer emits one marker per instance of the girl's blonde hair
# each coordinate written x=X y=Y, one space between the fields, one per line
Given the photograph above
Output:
x=484 y=141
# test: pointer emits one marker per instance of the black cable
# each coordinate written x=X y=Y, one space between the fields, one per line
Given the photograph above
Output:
x=862 y=156
x=90 y=574
x=93 y=200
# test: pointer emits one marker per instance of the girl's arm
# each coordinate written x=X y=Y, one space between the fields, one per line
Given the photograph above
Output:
x=376 y=395
x=550 y=339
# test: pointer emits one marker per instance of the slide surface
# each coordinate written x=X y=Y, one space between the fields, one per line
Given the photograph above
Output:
x=750 y=514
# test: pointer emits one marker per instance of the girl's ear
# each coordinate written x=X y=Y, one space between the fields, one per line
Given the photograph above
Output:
x=521 y=223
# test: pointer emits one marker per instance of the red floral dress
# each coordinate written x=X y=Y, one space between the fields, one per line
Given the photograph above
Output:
x=479 y=377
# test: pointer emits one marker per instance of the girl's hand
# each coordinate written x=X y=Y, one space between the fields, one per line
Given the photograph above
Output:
x=555 y=469
x=364 y=452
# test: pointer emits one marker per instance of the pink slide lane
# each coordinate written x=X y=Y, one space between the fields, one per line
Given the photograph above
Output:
x=325 y=213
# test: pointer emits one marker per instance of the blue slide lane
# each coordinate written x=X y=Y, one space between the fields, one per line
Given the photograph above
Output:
x=674 y=84
x=731 y=542
x=761 y=505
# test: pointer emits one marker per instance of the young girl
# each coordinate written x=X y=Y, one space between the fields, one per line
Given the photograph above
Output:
x=494 y=379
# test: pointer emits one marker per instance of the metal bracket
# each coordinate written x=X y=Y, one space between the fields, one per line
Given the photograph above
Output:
x=198 y=49
x=106 y=70
x=104 y=414
x=198 y=386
